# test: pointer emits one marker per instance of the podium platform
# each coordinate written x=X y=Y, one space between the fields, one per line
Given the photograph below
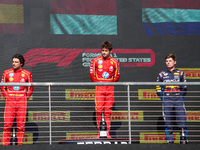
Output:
x=99 y=141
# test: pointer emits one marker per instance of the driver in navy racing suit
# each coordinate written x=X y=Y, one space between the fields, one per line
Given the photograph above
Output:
x=172 y=97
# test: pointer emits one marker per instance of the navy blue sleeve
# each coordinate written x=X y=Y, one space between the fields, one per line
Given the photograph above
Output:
x=183 y=79
x=159 y=89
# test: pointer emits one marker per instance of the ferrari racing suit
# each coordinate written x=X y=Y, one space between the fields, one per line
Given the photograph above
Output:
x=16 y=102
x=104 y=70
x=172 y=101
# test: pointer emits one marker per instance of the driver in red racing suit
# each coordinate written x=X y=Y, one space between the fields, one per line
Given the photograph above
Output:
x=16 y=98
x=104 y=69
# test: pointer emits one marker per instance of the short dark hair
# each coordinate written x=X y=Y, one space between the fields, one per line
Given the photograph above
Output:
x=20 y=57
x=107 y=45
x=171 y=56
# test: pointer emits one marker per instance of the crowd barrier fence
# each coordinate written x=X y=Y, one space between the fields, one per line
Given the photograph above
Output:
x=136 y=114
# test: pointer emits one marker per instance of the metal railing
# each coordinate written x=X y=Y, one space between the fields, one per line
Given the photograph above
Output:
x=126 y=94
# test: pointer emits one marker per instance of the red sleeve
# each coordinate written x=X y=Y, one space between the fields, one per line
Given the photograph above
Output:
x=92 y=71
x=30 y=88
x=4 y=88
x=117 y=72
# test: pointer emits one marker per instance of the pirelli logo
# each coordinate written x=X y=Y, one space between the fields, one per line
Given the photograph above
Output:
x=147 y=94
x=193 y=116
x=81 y=135
x=157 y=137
x=79 y=94
x=123 y=116
x=191 y=73
x=43 y=116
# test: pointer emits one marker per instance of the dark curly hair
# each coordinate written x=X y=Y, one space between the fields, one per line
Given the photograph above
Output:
x=20 y=57
x=107 y=45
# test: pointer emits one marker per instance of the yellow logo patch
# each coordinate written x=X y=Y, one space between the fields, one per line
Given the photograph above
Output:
x=100 y=66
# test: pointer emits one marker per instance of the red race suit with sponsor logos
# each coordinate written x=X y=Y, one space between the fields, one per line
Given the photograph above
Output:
x=104 y=70
x=16 y=101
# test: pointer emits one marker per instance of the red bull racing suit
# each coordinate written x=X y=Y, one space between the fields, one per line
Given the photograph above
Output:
x=172 y=101
x=104 y=70
x=16 y=102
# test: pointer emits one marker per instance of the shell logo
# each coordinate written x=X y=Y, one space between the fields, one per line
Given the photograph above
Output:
x=10 y=79
x=100 y=66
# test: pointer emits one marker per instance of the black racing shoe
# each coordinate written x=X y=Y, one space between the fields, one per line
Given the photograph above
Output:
x=183 y=140
x=170 y=142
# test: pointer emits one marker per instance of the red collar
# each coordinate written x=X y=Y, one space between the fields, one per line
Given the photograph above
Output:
x=106 y=58
x=19 y=70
